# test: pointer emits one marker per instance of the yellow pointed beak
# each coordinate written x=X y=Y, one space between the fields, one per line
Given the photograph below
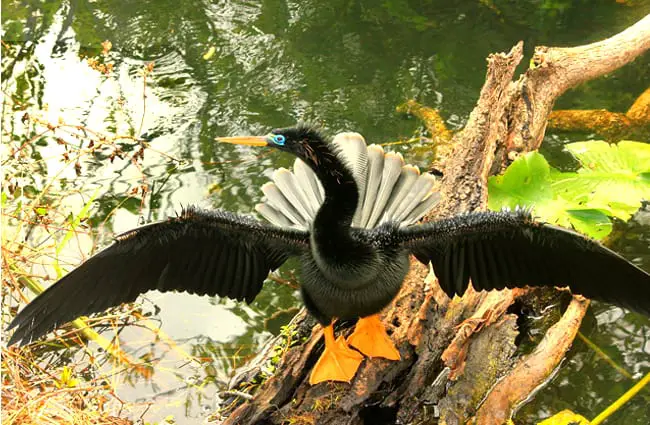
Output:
x=245 y=140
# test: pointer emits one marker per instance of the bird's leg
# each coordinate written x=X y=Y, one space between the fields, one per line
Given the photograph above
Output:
x=371 y=339
x=338 y=362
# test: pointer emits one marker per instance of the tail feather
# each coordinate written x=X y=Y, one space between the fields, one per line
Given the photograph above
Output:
x=352 y=149
x=388 y=189
x=273 y=216
x=393 y=163
x=278 y=201
x=422 y=208
x=375 y=171
x=288 y=184
x=310 y=185
x=422 y=186
x=407 y=178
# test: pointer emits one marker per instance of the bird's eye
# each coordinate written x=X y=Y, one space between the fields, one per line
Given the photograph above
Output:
x=279 y=139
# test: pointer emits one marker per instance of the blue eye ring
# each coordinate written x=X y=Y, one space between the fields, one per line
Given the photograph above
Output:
x=279 y=139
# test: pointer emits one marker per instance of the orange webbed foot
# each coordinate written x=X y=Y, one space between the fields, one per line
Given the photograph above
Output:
x=371 y=339
x=337 y=363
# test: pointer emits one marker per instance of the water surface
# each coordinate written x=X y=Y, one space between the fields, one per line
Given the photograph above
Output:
x=244 y=67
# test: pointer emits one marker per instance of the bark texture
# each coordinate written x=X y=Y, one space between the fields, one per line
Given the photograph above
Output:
x=453 y=351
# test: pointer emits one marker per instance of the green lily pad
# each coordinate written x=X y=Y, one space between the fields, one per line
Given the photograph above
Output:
x=526 y=182
x=614 y=177
x=612 y=182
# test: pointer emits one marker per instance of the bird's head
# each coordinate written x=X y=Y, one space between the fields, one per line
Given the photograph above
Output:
x=300 y=140
x=306 y=143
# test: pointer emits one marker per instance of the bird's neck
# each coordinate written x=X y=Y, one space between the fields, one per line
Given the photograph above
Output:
x=341 y=191
x=342 y=258
x=331 y=226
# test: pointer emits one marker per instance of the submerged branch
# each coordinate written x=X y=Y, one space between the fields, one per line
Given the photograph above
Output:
x=440 y=135
x=622 y=400
x=613 y=126
x=431 y=119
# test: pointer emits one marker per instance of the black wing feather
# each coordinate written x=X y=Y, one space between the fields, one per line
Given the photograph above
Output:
x=510 y=249
x=199 y=252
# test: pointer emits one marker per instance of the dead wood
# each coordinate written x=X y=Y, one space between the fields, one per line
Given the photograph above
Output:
x=510 y=117
x=533 y=369
x=613 y=126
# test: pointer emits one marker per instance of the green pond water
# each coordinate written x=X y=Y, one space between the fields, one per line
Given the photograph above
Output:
x=244 y=67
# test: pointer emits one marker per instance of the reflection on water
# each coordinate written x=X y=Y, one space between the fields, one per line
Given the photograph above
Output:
x=344 y=65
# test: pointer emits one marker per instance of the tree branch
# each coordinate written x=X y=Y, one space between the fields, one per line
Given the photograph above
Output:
x=557 y=69
x=565 y=68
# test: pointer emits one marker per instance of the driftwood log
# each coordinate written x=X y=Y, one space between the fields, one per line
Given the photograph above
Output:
x=453 y=351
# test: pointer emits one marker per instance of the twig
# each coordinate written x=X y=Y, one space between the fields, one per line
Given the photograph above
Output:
x=241 y=394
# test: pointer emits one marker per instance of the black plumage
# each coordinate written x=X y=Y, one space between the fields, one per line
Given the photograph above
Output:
x=509 y=249
x=348 y=272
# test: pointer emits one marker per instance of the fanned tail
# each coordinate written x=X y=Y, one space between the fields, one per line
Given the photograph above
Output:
x=389 y=190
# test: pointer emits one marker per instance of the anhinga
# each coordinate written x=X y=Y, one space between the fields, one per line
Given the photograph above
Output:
x=346 y=213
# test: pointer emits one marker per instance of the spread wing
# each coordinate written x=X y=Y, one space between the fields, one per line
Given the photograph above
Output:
x=503 y=249
x=213 y=253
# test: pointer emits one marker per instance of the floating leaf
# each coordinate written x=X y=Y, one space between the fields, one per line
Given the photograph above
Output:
x=612 y=182
x=591 y=222
x=528 y=182
x=615 y=177
x=525 y=182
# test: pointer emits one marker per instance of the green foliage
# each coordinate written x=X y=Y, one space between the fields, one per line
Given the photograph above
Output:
x=289 y=335
x=616 y=177
x=612 y=182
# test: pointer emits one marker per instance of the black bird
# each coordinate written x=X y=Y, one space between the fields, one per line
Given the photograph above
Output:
x=346 y=213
